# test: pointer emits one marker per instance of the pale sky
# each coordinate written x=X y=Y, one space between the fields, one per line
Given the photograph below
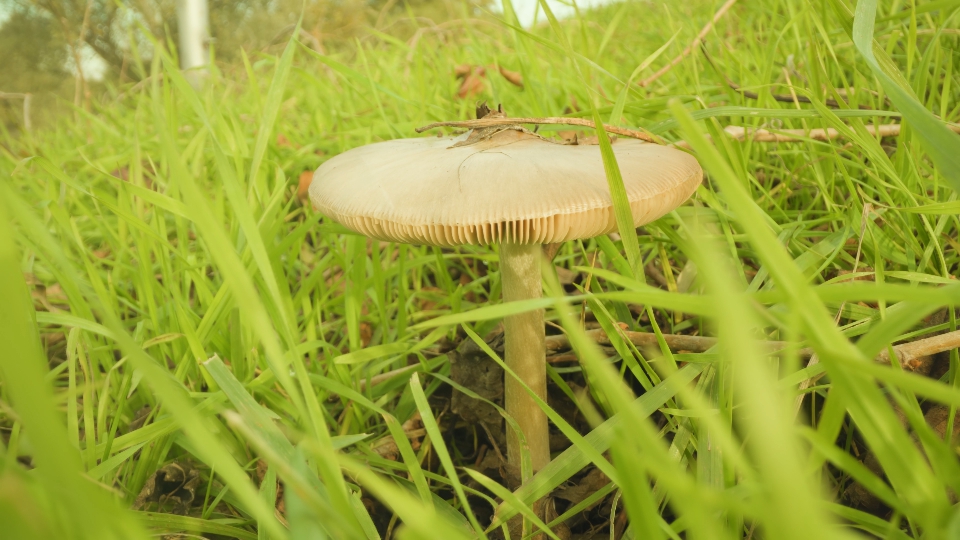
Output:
x=561 y=8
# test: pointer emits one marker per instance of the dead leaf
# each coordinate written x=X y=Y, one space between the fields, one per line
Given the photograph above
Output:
x=303 y=188
x=122 y=173
x=429 y=298
x=569 y=135
x=472 y=368
x=484 y=110
x=174 y=482
x=261 y=470
x=513 y=77
x=578 y=491
x=594 y=140
x=861 y=269
x=566 y=276
x=387 y=448
x=366 y=334
x=474 y=80
x=282 y=140
x=139 y=418
x=550 y=514
x=413 y=428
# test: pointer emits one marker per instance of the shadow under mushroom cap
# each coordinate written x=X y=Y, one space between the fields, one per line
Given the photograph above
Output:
x=513 y=187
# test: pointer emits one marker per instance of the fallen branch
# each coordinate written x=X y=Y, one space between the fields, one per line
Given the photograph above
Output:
x=696 y=42
x=493 y=122
x=819 y=134
x=908 y=354
x=797 y=135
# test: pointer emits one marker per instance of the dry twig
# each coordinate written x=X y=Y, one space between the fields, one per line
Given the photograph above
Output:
x=819 y=134
x=796 y=135
x=792 y=98
x=696 y=42
x=908 y=354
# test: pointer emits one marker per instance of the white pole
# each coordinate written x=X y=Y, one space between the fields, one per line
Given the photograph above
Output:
x=194 y=33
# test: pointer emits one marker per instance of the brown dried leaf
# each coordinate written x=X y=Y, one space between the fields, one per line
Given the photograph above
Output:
x=566 y=276
x=513 y=77
x=471 y=368
x=282 y=140
x=594 y=140
x=386 y=448
x=303 y=187
x=591 y=482
x=483 y=110
x=174 y=482
x=56 y=295
x=462 y=70
x=861 y=269
x=569 y=135
x=366 y=334
x=413 y=428
x=474 y=83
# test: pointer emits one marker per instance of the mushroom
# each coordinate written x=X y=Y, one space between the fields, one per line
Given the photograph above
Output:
x=505 y=186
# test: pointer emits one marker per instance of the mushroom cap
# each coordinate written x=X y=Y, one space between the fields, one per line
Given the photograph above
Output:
x=513 y=187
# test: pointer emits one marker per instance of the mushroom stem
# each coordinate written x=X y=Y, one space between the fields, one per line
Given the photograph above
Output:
x=525 y=354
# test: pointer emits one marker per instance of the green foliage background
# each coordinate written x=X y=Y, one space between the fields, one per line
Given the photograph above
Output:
x=165 y=297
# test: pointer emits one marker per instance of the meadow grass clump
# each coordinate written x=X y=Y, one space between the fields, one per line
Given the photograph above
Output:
x=188 y=349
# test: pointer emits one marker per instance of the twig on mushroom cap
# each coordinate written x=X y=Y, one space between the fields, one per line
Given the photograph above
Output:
x=492 y=122
x=907 y=353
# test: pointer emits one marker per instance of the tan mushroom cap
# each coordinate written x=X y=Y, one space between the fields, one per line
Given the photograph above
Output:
x=513 y=187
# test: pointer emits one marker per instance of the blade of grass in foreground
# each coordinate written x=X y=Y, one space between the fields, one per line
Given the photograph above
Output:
x=87 y=511
x=425 y=521
x=942 y=144
x=618 y=193
x=271 y=109
x=574 y=459
x=436 y=437
x=338 y=519
x=169 y=391
x=907 y=469
x=789 y=506
x=246 y=295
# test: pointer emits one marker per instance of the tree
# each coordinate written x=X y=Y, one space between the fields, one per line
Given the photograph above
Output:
x=34 y=54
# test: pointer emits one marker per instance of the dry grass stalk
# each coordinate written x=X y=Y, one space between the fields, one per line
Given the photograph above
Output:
x=695 y=43
x=27 y=123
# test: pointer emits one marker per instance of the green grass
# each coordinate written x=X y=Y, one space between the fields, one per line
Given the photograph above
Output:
x=180 y=305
